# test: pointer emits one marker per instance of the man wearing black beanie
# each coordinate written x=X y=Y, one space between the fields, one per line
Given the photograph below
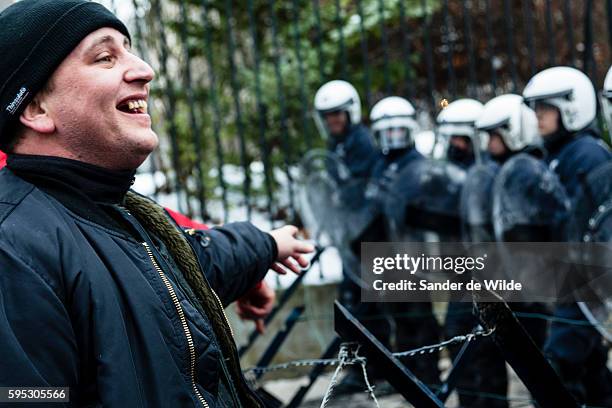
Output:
x=100 y=291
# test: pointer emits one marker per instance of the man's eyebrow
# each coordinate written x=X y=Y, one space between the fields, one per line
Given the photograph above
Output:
x=107 y=39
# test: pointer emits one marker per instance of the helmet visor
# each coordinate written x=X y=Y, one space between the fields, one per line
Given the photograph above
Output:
x=393 y=138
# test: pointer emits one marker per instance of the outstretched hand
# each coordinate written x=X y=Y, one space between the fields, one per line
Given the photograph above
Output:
x=290 y=250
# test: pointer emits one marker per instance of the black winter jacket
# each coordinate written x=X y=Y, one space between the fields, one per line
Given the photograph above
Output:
x=124 y=320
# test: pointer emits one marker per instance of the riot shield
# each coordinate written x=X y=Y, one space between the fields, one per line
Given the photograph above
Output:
x=592 y=224
x=422 y=202
x=331 y=201
x=476 y=203
x=530 y=205
x=592 y=206
x=529 y=202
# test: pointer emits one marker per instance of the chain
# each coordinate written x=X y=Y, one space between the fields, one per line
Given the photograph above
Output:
x=441 y=346
x=358 y=359
x=293 y=364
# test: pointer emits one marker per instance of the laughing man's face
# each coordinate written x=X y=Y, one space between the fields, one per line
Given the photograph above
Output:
x=98 y=102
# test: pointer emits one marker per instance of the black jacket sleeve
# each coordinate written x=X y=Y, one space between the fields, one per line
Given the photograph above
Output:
x=36 y=337
x=235 y=257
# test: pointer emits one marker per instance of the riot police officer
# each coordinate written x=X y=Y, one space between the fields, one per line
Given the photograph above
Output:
x=394 y=127
x=455 y=124
x=512 y=128
x=565 y=104
x=338 y=117
x=337 y=114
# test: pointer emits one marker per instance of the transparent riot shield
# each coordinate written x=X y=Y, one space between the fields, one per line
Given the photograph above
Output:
x=529 y=202
x=334 y=205
x=423 y=202
x=592 y=225
x=530 y=205
x=476 y=203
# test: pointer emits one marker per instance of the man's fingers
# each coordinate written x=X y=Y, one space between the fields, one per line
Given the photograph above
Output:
x=260 y=326
x=290 y=263
x=276 y=267
x=304 y=247
x=240 y=311
x=302 y=261
x=254 y=312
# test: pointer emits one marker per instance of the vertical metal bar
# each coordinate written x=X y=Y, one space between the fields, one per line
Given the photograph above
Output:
x=509 y=25
x=281 y=105
x=318 y=38
x=409 y=87
x=550 y=34
x=142 y=50
x=229 y=15
x=364 y=55
x=569 y=30
x=609 y=18
x=216 y=111
x=467 y=22
x=447 y=39
x=490 y=52
x=428 y=57
x=385 y=47
x=298 y=54
x=340 y=29
x=528 y=15
x=196 y=130
x=589 y=58
x=263 y=143
x=170 y=110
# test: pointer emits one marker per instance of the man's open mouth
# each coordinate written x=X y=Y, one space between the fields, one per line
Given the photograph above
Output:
x=133 y=106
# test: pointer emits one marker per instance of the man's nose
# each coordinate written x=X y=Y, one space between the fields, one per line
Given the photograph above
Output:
x=139 y=71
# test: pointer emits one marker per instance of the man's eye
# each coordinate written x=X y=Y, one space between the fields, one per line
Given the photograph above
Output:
x=106 y=58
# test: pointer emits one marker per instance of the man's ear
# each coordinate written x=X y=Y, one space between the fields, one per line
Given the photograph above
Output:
x=36 y=116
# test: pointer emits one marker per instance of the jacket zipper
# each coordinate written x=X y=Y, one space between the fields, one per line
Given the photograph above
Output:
x=223 y=311
x=181 y=314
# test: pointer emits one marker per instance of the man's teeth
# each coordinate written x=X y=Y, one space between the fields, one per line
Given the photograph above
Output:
x=140 y=105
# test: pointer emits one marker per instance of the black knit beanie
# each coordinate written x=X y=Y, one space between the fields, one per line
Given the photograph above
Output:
x=35 y=37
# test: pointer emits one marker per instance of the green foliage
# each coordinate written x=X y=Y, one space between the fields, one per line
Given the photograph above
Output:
x=301 y=56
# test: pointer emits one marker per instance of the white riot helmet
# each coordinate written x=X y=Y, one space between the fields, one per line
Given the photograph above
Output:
x=515 y=122
x=606 y=99
x=458 y=119
x=393 y=123
x=336 y=96
x=567 y=89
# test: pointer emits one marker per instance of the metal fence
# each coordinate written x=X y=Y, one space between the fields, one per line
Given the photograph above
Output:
x=236 y=79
